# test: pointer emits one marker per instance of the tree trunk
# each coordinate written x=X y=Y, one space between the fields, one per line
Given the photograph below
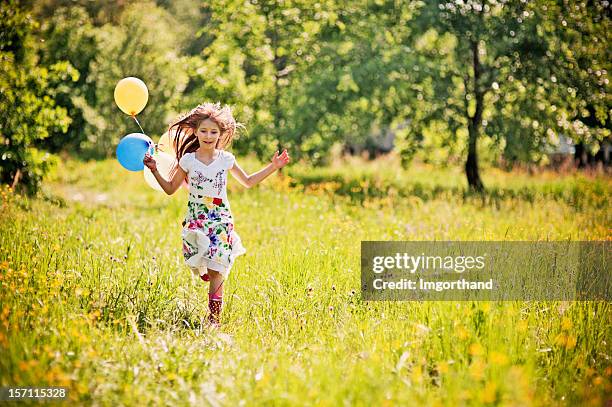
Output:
x=474 y=123
x=471 y=165
x=16 y=179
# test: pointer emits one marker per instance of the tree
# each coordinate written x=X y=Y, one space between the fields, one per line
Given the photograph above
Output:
x=69 y=35
x=487 y=68
x=356 y=81
x=28 y=111
x=100 y=12
x=142 y=45
x=254 y=60
x=581 y=34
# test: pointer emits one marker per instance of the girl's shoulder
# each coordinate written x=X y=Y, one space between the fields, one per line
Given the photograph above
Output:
x=186 y=161
x=227 y=157
x=226 y=154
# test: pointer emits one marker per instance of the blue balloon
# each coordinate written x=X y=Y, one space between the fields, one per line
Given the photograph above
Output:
x=132 y=149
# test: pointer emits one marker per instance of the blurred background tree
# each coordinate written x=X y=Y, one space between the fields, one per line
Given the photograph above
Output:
x=141 y=44
x=354 y=84
x=579 y=35
x=470 y=81
x=481 y=66
x=256 y=58
x=28 y=109
x=69 y=35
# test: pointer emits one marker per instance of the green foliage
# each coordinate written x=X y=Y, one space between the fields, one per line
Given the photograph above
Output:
x=142 y=45
x=100 y=12
x=261 y=69
x=70 y=35
x=351 y=87
x=38 y=164
x=28 y=111
x=307 y=76
x=537 y=70
x=579 y=38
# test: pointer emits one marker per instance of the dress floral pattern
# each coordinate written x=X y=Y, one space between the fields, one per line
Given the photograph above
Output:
x=209 y=238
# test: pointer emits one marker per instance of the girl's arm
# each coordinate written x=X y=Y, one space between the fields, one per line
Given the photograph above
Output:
x=171 y=186
x=278 y=161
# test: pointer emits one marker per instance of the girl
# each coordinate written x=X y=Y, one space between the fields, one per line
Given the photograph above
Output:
x=210 y=243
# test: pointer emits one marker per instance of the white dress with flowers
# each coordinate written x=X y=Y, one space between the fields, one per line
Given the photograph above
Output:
x=209 y=239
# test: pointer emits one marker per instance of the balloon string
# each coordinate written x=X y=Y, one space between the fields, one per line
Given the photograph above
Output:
x=136 y=120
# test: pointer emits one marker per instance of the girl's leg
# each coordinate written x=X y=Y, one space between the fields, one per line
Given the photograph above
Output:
x=215 y=296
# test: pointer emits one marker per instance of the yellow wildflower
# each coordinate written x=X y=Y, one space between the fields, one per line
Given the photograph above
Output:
x=498 y=358
x=462 y=333
x=477 y=369
x=476 y=349
x=566 y=324
x=443 y=367
x=417 y=374
x=489 y=393
x=570 y=342
x=566 y=340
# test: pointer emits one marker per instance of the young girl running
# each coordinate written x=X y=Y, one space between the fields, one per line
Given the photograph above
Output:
x=210 y=243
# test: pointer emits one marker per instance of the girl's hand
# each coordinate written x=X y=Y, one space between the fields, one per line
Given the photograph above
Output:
x=150 y=162
x=279 y=161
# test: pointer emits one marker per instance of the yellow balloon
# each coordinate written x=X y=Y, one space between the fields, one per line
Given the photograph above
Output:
x=131 y=95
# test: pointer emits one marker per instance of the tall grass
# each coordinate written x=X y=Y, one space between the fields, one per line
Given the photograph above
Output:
x=94 y=294
x=361 y=180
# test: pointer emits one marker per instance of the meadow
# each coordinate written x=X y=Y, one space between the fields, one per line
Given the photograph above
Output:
x=94 y=294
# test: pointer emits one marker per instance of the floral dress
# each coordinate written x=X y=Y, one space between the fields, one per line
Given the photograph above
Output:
x=209 y=238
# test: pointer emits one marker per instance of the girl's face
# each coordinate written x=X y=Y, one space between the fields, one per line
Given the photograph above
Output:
x=208 y=133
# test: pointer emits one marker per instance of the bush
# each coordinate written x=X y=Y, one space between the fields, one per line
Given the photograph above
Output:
x=28 y=112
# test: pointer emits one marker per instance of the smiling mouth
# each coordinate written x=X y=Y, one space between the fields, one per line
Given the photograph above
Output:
x=207 y=142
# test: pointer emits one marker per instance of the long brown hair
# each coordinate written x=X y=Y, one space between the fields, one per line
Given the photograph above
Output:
x=182 y=130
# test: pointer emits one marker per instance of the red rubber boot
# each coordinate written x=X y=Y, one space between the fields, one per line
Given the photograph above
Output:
x=215 y=303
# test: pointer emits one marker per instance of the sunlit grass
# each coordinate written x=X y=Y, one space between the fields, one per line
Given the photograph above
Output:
x=94 y=294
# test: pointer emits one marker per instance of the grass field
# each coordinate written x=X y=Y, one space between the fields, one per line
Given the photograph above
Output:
x=94 y=294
